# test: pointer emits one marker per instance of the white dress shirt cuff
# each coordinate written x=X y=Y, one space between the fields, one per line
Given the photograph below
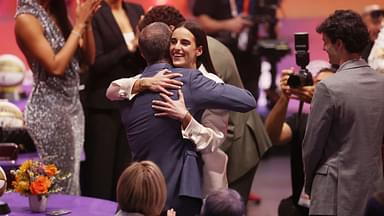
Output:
x=197 y=133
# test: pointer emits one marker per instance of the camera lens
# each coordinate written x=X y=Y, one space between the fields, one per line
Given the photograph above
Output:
x=294 y=81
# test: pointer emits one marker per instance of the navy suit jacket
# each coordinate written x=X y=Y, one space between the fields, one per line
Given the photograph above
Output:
x=159 y=139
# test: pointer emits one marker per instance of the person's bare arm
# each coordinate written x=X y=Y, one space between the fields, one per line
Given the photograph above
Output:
x=279 y=132
x=88 y=46
x=87 y=43
x=30 y=37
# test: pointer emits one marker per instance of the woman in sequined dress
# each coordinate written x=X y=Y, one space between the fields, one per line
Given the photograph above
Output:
x=53 y=115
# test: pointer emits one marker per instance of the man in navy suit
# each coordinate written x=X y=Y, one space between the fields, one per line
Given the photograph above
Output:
x=160 y=139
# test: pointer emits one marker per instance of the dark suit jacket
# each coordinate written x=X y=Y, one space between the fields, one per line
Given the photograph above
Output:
x=113 y=60
x=247 y=140
x=160 y=140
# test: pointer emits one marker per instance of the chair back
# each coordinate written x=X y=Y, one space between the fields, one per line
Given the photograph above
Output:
x=8 y=152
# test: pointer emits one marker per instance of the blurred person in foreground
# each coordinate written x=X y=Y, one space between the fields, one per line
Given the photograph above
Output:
x=291 y=131
x=226 y=202
x=141 y=190
x=342 y=144
x=54 y=50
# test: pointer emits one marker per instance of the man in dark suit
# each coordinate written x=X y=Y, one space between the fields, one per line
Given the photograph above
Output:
x=159 y=139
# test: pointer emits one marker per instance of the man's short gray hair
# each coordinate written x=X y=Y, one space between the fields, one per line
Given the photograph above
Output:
x=154 y=41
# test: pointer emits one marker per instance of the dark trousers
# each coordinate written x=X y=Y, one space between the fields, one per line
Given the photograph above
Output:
x=107 y=153
x=243 y=184
x=287 y=207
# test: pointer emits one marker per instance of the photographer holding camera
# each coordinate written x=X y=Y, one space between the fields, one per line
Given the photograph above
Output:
x=284 y=130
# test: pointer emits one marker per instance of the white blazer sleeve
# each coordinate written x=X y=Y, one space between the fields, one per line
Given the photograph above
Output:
x=121 y=89
x=209 y=135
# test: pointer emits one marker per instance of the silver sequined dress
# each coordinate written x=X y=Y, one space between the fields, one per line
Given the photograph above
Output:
x=53 y=115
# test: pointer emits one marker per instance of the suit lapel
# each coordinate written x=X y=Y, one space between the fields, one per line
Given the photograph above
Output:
x=113 y=26
x=132 y=15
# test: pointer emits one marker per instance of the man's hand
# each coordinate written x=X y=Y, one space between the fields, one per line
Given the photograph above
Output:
x=162 y=81
x=171 y=108
x=304 y=93
x=285 y=89
x=171 y=212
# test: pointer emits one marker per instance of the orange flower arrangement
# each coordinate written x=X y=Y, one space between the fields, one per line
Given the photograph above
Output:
x=36 y=178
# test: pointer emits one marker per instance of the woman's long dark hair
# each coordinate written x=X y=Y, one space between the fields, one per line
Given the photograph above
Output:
x=58 y=8
x=200 y=40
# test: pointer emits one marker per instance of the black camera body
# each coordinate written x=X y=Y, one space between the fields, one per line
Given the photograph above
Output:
x=304 y=77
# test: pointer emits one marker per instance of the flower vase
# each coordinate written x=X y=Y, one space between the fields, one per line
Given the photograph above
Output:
x=38 y=203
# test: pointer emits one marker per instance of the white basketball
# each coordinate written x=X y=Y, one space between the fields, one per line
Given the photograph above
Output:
x=12 y=70
x=10 y=115
x=3 y=181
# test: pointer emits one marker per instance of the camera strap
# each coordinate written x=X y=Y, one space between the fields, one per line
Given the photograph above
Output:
x=299 y=115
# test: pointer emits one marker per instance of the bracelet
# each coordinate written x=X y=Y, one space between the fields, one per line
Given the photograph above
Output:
x=140 y=85
x=88 y=27
x=78 y=34
x=186 y=119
